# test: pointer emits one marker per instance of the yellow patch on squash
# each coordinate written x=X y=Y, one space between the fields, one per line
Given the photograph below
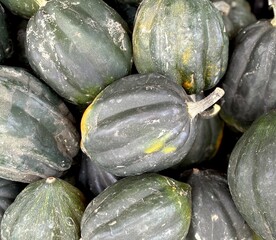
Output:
x=189 y=83
x=160 y=145
x=169 y=149
x=187 y=55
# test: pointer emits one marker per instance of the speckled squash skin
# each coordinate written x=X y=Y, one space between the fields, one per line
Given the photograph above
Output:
x=37 y=131
x=252 y=175
x=214 y=214
x=5 y=41
x=148 y=206
x=46 y=209
x=236 y=14
x=185 y=40
x=129 y=129
x=25 y=9
x=249 y=82
x=78 y=47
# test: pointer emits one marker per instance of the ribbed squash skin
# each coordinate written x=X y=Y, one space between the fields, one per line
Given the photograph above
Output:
x=45 y=209
x=92 y=179
x=214 y=214
x=37 y=131
x=249 y=82
x=236 y=14
x=5 y=41
x=148 y=206
x=252 y=175
x=138 y=124
x=184 y=40
x=25 y=9
x=78 y=47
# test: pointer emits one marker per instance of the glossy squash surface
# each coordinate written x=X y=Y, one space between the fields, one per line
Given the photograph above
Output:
x=140 y=123
x=46 y=209
x=249 y=82
x=252 y=175
x=214 y=214
x=185 y=40
x=78 y=47
x=148 y=206
x=37 y=131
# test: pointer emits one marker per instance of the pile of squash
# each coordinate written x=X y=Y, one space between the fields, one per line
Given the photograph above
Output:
x=137 y=119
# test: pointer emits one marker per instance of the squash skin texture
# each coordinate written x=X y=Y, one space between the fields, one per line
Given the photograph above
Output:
x=185 y=40
x=45 y=209
x=163 y=204
x=236 y=14
x=37 y=131
x=129 y=129
x=25 y=9
x=249 y=82
x=78 y=48
x=214 y=214
x=252 y=175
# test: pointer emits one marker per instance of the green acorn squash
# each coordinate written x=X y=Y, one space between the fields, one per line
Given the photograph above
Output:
x=214 y=214
x=25 y=9
x=236 y=15
x=37 y=131
x=249 y=82
x=252 y=175
x=78 y=47
x=141 y=123
x=92 y=179
x=46 y=209
x=148 y=206
x=5 y=41
x=185 y=40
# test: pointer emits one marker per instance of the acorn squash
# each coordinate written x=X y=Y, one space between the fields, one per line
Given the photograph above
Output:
x=78 y=47
x=148 y=206
x=252 y=175
x=25 y=9
x=46 y=209
x=214 y=214
x=141 y=123
x=185 y=40
x=249 y=82
x=37 y=131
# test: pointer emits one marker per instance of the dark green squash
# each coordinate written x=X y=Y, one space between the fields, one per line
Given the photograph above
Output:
x=249 y=82
x=5 y=41
x=46 y=209
x=25 y=9
x=37 y=131
x=252 y=175
x=78 y=47
x=214 y=214
x=148 y=206
x=236 y=15
x=8 y=192
x=185 y=40
x=141 y=123
x=92 y=179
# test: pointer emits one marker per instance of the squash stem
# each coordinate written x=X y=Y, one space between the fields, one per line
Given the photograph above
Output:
x=272 y=3
x=195 y=108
